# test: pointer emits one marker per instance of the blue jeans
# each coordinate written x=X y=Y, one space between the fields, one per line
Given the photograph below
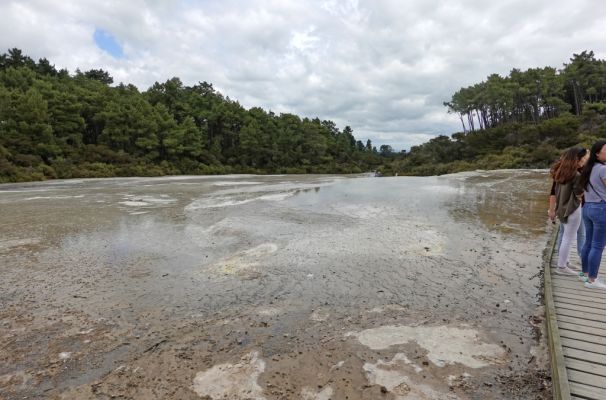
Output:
x=580 y=238
x=594 y=218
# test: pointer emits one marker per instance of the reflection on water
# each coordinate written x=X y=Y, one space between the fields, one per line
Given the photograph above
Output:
x=512 y=203
x=509 y=202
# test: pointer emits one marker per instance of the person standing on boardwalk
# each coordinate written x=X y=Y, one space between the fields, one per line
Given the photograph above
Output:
x=583 y=155
x=593 y=180
x=568 y=194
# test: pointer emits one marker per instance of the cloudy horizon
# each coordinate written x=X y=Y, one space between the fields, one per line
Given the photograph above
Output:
x=382 y=67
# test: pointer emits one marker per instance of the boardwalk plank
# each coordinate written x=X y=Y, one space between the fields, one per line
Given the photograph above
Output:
x=580 y=332
x=566 y=279
x=587 y=392
x=581 y=314
x=585 y=366
x=561 y=388
x=575 y=283
x=565 y=333
x=585 y=356
x=581 y=291
x=582 y=322
x=587 y=379
x=594 y=305
x=582 y=345
x=594 y=311
x=583 y=329
x=578 y=285
x=579 y=297
x=578 y=288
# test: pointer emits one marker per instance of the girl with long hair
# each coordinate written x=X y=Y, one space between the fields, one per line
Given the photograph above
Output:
x=582 y=155
x=568 y=195
x=593 y=180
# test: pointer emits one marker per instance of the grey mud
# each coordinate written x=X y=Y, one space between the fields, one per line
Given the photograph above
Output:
x=274 y=287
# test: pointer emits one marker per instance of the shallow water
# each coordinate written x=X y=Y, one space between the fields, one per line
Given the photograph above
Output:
x=171 y=277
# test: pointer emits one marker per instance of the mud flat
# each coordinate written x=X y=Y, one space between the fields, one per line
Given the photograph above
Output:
x=274 y=287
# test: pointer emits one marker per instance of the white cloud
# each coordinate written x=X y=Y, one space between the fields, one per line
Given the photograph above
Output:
x=383 y=67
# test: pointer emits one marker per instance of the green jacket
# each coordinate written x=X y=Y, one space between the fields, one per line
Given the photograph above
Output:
x=568 y=197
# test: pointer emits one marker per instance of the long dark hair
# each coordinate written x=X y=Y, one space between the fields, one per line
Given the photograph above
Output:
x=593 y=158
x=565 y=169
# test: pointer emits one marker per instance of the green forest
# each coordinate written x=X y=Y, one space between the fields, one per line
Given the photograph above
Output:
x=524 y=120
x=54 y=124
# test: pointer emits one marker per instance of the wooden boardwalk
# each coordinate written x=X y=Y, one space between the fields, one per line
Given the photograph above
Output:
x=576 y=319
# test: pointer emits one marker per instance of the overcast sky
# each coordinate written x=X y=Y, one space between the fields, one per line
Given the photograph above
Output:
x=384 y=67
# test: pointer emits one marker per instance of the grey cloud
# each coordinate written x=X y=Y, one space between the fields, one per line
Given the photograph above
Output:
x=384 y=67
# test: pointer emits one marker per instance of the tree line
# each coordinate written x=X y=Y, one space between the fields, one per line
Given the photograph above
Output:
x=532 y=95
x=54 y=124
x=523 y=120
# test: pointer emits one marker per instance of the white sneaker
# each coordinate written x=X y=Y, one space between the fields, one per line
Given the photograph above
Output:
x=583 y=277
x=564 y=271
x=595 y=285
